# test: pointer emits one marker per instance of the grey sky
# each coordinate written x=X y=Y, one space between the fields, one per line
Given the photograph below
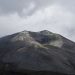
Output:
x=54 y=15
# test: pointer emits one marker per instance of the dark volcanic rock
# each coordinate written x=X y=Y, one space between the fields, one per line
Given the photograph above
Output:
x=37 y=51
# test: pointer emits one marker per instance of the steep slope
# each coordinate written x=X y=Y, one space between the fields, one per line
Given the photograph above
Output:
x=38 y=51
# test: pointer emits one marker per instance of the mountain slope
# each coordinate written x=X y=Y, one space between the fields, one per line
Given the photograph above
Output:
x=38 y=51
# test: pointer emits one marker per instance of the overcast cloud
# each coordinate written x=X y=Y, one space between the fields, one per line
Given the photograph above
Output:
x=35 y=15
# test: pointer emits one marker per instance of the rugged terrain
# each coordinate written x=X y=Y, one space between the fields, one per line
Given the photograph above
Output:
x=43 y=51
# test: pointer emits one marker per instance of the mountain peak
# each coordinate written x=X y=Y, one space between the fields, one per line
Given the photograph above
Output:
x=38 y=51
x=46 y=32
x=21 y=36
x=45 y=37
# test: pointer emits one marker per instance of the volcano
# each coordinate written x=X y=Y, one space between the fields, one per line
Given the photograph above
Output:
x=37 y=53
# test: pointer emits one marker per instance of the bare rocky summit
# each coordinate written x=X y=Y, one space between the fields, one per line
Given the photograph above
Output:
x=38 y=51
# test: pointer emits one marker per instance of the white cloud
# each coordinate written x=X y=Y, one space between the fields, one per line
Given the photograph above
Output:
x=54 y=18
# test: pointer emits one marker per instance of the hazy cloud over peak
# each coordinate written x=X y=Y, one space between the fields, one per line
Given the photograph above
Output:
x=54 y=15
